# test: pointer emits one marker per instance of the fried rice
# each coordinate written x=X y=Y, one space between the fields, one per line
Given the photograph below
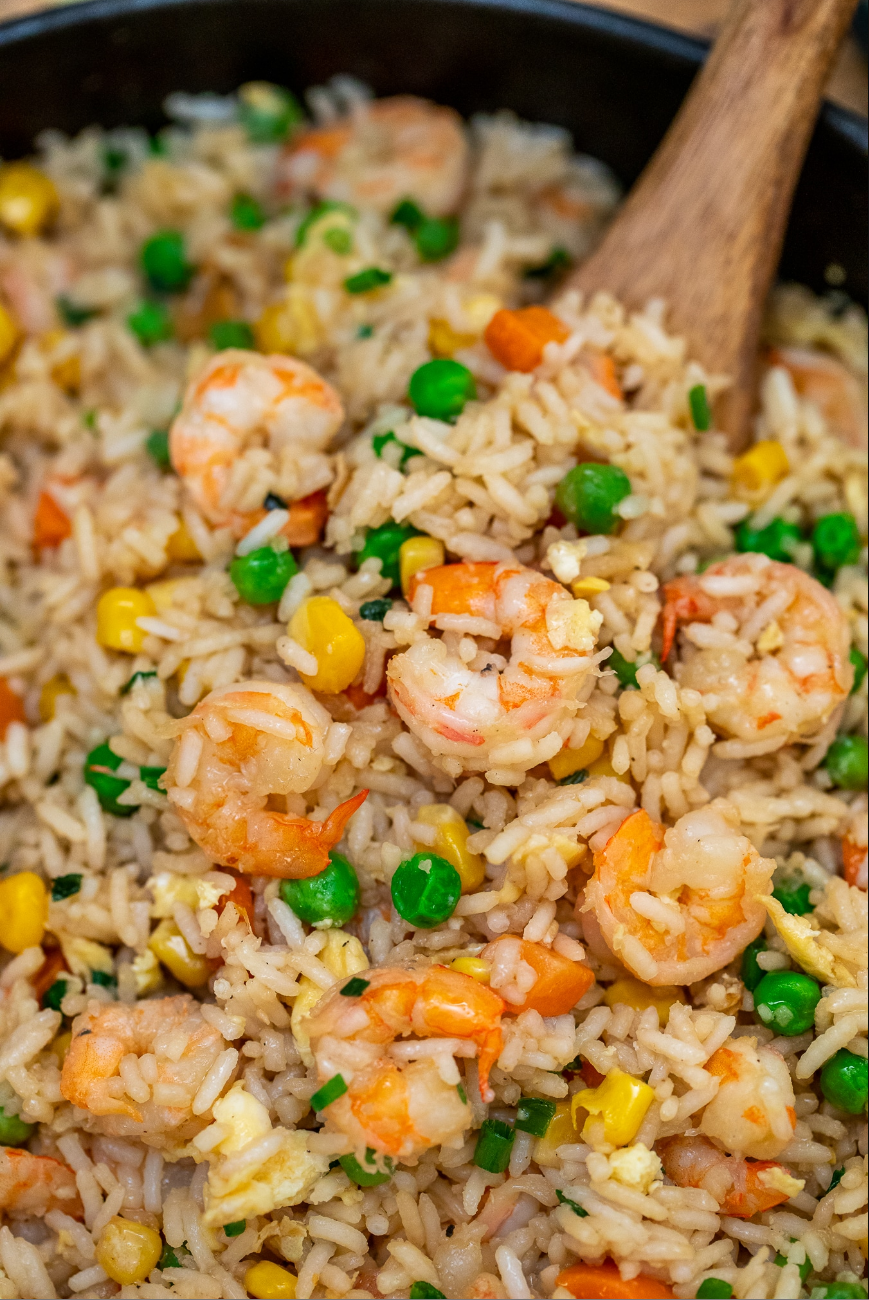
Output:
x=166 y=1014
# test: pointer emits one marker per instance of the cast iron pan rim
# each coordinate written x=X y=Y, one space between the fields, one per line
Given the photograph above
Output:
x=621 y=27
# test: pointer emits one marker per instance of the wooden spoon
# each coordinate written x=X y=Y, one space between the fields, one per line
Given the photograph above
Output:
x=703 y=226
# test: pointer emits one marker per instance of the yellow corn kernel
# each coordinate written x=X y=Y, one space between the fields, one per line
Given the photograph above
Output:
x=478 y=969
x=323 y=629
x=622 y=1100
x=479 y=310
x=9 y=334
x=562 y=1130
x=268 y=1281
x=60 y=1046
x=756 y=471
x=181 y=547
x=171 y=948
x=28 y=199
x=23 y=911
x=274 y=330
x=67 y=373
x=128 y=1250
x=164 y=594
x=416 y=554
x=568 y=761
x=117 y=611
x=585 y=588
x=634 y=993
x=51 y=693
x=451 y=842
x=443 y=340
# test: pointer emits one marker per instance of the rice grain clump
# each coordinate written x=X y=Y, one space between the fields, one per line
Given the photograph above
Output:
x=432 y=766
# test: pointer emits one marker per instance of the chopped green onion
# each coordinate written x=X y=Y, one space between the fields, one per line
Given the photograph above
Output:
x=104 y=978
x=382 y=440
x=794 y=896
x=235 y=1229
x=89 y=419
x=375 y=611
x=231 y=334
x=73 y=313
x=700 y=412
x=534 y=1115
x=463 y=1096
x=859 y=662
x=65 y=886
x=365 y=331
x=425 y=1291
x=373 y=277
x=436 y=238
x=805 y=1268
x=838 y=1175
x=54 y=995
x=340 y=241
x=151 y=322
x=331 y=1090
x=150 y=777
x=407 y=214
x=100 y=763
x=494 y=1146
x=574 y=1205
x=575 y=778
x=246 y=214
x=370 y=1174
x=157 y=447
x=354 y=988
x=778 y=539
x=139 y=676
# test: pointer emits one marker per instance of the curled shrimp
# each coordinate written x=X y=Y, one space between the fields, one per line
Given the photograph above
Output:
x=241 y=747
x=475 y=705
x=823 y=380
x=32 y=1185
x=676 y=905
x=135 y=1070
x=765 y=644
x=393 y=149
x=403 y=1098
x=251 y=425
x=753 y=1111
x=741 y=1187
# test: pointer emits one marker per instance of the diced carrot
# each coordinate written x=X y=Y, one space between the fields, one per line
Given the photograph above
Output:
x=603 y=372
x=48 y=972
x=51 y=525
x=854 y=862
x=560 y=981
x=240 y=895
x=11 y=707
x=517 y=338
x=307 y=519
x=605 y=1282
x=593 y=1078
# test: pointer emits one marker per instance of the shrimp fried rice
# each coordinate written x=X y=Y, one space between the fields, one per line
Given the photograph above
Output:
x=432 y=763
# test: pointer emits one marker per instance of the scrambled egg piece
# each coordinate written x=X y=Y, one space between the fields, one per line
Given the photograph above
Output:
x=801 y=941
x=147 y=973
x=572 y=624
x=86 y=955
x=169 y=888
x=636 y=1167
x=565 y=558
x=239 y=1190
x=343 y=956
x=780 y=1180
x=771 y=638
x=571 y=852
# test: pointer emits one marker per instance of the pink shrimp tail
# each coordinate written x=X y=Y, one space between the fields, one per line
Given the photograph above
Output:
x=682 y=601
x=305 y=845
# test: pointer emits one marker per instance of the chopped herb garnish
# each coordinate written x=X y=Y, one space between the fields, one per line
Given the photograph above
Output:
x=575 y=778
x=700 y=412
x=407 y=214
x=574 y=1205
x=235 y=1229
x=151 y=777
x=375 y=610
x=74 y=313
x=365 y=331
x=354 y=989
x=103 y=978
x=89 y=419
x=246 y=213
x=340 y=241
x=65 y=886
x=139 y=676
x=54 y=995
x=382 y=440
x=373 y=277
x=534 y=1115
x=463 y=1096
x=838 y=1175
x=157 y=447
x=331 y=1090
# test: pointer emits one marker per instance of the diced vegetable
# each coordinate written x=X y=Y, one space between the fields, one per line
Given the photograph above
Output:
x=517 y=338
x=267 y=112
x=329 y=899
x=331 y=1090
x=231 y=334
x=23 y=911
x=261 y=576
x=441 y=389
x=494 y=1146
x=785 y=1000
x=425 y=890
x=164 y=261
x=589 y=493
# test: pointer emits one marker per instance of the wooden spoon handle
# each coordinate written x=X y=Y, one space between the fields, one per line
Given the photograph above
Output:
x=704 y=225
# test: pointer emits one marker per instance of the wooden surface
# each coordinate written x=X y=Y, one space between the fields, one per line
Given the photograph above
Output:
x=703 y=226
x=849 y=83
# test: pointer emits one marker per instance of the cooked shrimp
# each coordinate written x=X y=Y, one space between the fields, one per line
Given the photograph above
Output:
x=741 y=1187
x=394 y=149
x=830 y=386
x=765 y=644
x=251 y=425
x=31 y=1185
x=676 y=905
x=753 y=1111
x=403 y=1098
x=136 y=1069
x=488 y=711
x=854 y=845
x=240 y=747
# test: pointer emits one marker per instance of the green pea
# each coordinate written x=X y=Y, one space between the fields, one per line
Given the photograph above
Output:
x=246 y=213
x=375 y=611
x=373 y=277
x=100 y=763
x=164 y=261
x=367 y=1172
x=425 y=890
x=407 y=214
x=383 y=544
x=859 y=662
x=14 y=1132
x=441 y=389
x=751 y=973
x=778 y=539
x=845 y=1082
x=261 y=576
x=836 y=541
x=436 y=238
x=157 y=447
x=714 y=1288
x=698 y=401
x=839 y=1291
x=151 y=323
x=267 y=112
x=794 y=896
x=381 y=441
x=785 y=1001
x=589 y=493
x=329 y=899
x=231 y=334
x=847 y=762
